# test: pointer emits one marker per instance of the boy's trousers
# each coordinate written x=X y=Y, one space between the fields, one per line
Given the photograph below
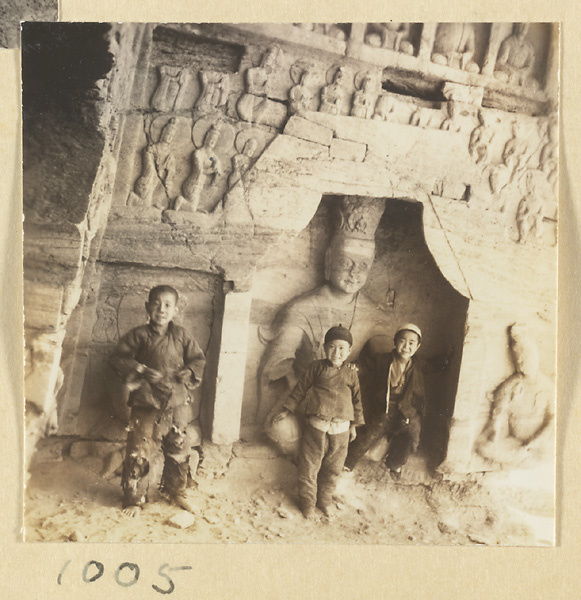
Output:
x=403 y=438
x=148 y=429
x=321 y=461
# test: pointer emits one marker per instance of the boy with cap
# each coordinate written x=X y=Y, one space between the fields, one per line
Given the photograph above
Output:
x=329 y=393
x=160 y=363
x=393 y=389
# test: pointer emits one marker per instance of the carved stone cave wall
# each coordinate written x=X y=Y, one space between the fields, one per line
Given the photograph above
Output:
x=211 y=156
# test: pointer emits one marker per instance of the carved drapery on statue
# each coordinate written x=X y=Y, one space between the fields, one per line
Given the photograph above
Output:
x=297 y=334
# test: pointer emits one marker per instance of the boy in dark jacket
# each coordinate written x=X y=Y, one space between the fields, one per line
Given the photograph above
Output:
x=329 y=392
x=393 y=387
x=161 y=363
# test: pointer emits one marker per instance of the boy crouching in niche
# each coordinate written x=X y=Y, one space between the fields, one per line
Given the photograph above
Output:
x=394 y=389
x=330 y=393
x=161 y=363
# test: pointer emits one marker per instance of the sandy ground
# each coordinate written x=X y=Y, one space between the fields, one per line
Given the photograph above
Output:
x=256 y=501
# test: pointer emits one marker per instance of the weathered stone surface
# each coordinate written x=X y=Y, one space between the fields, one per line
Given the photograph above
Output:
x=254 y=451
x=182 y=519
x=454 y=174
x=345 y=150
x=309 y=131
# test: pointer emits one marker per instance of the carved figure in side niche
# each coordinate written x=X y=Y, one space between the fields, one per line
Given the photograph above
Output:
x=241 y=162
x=364 y=98
x=549 y=155
x=297 y=334
x=215 y=88
x=158 y=169
x=300 y=95
x=452 y=120
x=394 y=36
x=516 y=59
x=332 y=94
x=521 y=414
x=480 y=140
x=530 y=213
x=206 y=164
x=384 y=109
x=454 y=46
x=253 y=104
x=170 y=88
x=106 y=328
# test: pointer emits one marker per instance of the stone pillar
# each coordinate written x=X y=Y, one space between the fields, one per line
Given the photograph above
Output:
x=427 y=40
x=551 y=82
x=467 y=421
x=356 y=38
x=231 y=366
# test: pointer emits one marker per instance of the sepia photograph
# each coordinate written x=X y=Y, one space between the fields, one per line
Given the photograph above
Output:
x=290 y=283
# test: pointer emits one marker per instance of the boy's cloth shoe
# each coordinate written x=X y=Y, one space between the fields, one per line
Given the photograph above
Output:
x=395 y=474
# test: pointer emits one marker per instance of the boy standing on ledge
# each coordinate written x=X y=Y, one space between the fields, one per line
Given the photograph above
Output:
x=330 y=393
x=161 y=363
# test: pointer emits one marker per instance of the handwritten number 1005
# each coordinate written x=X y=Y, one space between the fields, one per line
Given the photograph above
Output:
x=126 y=575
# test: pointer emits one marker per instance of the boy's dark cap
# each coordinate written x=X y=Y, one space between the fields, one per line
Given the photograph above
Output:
x=339 y=333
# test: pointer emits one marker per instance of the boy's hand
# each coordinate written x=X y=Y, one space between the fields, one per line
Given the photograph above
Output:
x=352 y=432
x=152 y=376
x=281 y=415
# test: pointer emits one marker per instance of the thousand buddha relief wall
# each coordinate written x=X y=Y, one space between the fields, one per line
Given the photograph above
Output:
x=286 y=178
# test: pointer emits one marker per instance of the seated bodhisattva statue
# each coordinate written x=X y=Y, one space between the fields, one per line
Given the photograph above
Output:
x=299 y=328
x=516 y=59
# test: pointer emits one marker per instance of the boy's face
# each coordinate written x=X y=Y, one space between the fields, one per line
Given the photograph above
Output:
x=337 y=352
x=162 y=308
x=406 y=344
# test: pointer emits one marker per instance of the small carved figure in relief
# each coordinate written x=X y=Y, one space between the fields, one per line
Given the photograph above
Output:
x=300 y=95
x=365 y=97
x=549 y=156
x=158 y=169
x=516 y=59
x=170 y=88
x=521 y=410
x=215 y=88
x=530 y=213
x=241 y=162
x=394 y=36
x=384 y=108
x=516 y=150
x=206 y=164
x=106 y=328
x=421 y=117
x=452 y=121
x=480 y=140
x=253 y=104
x=454 y=46
x=332 y=94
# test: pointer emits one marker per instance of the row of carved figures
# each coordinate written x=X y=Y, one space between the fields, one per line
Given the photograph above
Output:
x=207 y=161
x=454 y=45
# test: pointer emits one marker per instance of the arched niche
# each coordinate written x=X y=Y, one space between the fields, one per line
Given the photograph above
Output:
x=405 y=283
